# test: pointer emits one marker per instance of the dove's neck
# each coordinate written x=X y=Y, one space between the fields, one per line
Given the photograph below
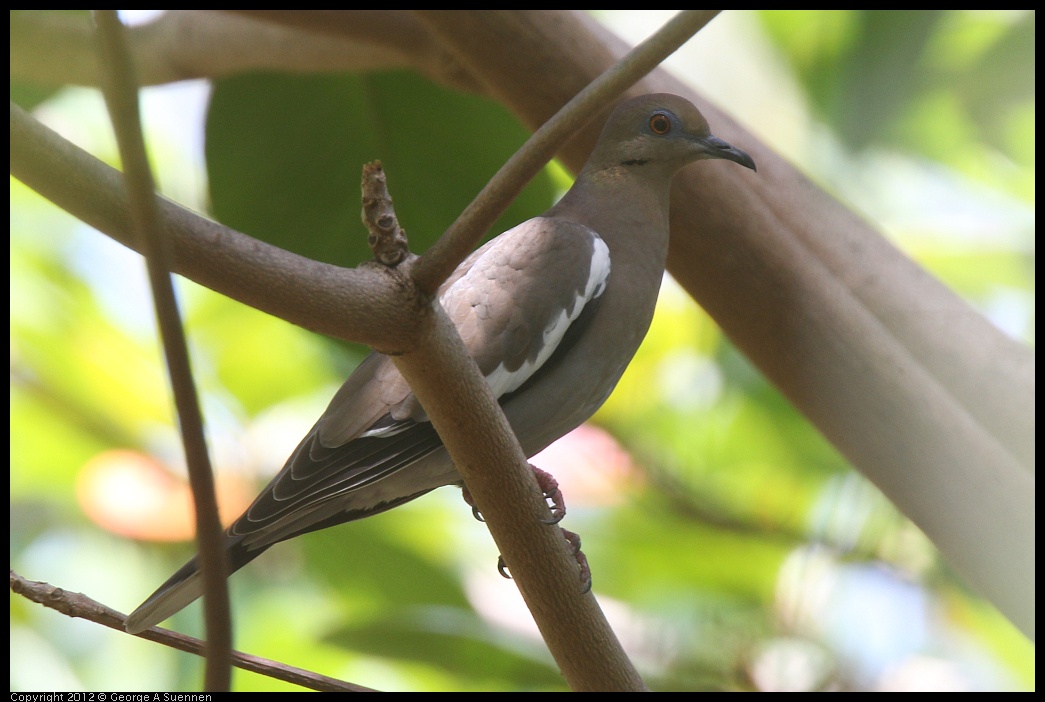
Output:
x=627 y=206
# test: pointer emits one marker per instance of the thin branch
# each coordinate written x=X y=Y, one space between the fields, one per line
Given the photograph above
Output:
x=80 y=606
x=443 y=257
x=121 y=95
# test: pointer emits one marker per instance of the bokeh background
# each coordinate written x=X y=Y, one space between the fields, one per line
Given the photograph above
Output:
x=731 y=546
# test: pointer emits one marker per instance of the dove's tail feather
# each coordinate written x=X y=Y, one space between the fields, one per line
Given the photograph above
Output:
x=186 y=586
x=180 y=590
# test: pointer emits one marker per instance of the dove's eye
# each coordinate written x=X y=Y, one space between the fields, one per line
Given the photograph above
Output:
x=660 y=124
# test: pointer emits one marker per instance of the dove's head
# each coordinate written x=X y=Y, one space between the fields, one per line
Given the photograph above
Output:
x=660 y=130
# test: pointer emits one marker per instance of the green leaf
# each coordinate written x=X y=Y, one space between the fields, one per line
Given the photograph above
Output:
x=285 y=153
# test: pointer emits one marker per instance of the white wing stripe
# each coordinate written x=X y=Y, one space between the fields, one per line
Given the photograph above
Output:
x=502 y=380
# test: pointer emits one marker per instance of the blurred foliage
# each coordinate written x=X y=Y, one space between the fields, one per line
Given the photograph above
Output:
x=734 y=550
x=952 y=86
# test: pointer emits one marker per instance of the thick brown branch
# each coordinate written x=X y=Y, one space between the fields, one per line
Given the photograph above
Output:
x=483 y=447
x=368 y=305
x=393 y=32
x=48 y=48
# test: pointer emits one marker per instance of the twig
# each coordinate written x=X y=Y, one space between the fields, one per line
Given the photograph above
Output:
x=121 y=96
x=80 y=606
x=387 y=239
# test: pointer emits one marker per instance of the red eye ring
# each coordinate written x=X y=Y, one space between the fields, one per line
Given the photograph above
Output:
x=660 y=124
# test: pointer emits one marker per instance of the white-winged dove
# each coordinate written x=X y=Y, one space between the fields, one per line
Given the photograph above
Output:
x=552 y=311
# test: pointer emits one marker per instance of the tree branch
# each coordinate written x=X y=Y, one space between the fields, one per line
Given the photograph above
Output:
x=75 y=604
x=392 y=31
x=121 y=95
x=364 y=305
x=48 y=48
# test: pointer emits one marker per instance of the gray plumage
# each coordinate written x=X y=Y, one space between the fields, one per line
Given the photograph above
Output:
x=552 y=311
